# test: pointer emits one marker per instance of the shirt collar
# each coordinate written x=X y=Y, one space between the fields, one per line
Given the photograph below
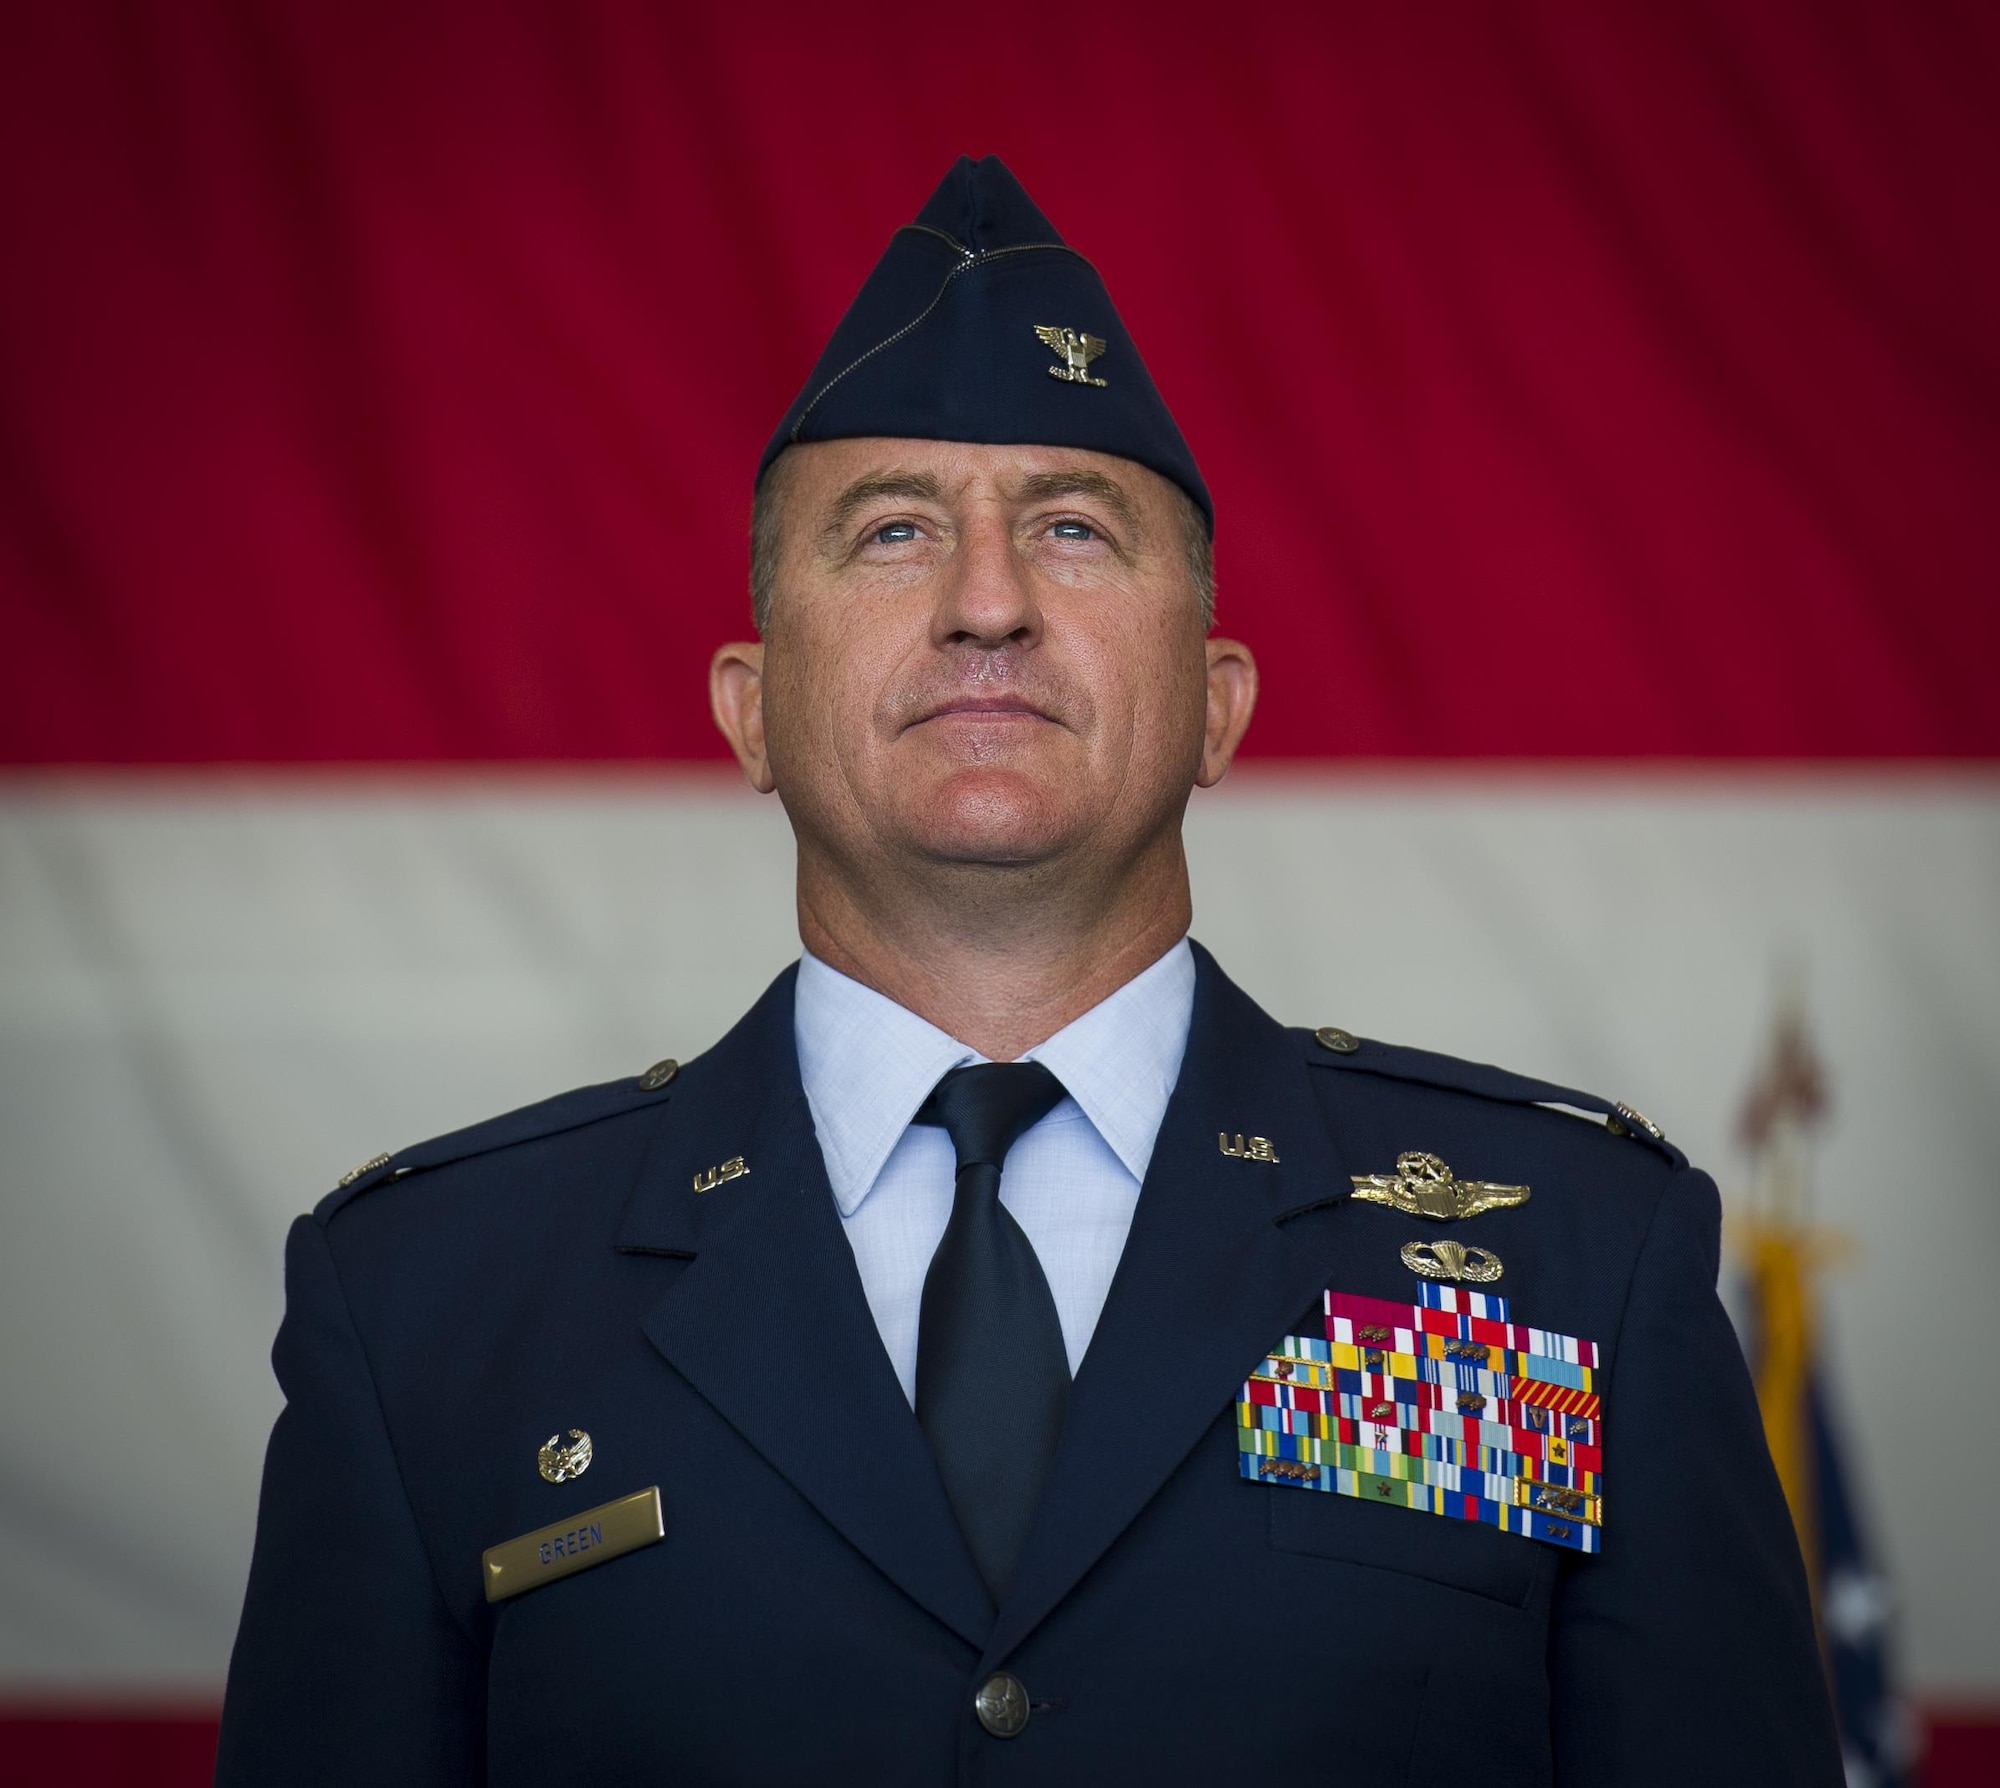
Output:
x=868 y=1064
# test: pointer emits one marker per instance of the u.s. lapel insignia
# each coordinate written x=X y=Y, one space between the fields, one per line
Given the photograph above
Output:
x=732 y=1169
x=1452 y=1260
x=1258 y=1148
x=1423 y=1186
x=1446 y=1406
x=561 y=1460
x=1078 y=351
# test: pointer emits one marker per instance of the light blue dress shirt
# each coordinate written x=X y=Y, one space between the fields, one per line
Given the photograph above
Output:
x=1072 y=1182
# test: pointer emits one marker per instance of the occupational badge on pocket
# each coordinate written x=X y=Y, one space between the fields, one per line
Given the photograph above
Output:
x=1445 y=1406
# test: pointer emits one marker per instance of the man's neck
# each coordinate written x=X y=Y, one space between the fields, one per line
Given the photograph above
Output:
x=1001 y=961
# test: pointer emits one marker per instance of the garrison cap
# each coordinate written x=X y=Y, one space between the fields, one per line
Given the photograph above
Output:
x=981 y=324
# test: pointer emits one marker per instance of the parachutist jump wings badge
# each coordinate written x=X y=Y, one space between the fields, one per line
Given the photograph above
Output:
x=1423 y=1186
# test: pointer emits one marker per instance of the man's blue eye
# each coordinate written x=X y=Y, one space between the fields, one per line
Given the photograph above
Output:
x=893 y=533
x=1074 y=530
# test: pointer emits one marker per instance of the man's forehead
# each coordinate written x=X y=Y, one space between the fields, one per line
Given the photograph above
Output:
x=840 y=474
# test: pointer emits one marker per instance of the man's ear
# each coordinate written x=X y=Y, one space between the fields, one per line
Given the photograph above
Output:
x=736 y=699
x=1232 y=695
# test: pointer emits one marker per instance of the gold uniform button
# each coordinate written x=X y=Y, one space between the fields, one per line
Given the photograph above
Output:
x=1002 y=1705
x=658 y=1075
x=1331 y=1036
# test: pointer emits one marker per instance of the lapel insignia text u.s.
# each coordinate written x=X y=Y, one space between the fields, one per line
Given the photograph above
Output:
x=1258 y=1148
x=732 y=1169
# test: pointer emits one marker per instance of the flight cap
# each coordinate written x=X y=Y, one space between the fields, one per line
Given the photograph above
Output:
x=979 y=323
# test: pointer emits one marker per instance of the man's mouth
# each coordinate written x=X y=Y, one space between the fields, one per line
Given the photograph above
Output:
x=977 y=707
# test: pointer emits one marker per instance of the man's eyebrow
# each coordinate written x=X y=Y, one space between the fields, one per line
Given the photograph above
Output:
x=875 y=488
x=1041 y=487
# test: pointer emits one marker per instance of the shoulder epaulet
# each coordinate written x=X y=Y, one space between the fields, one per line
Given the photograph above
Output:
x=548 y=1117
x=1332 y=1047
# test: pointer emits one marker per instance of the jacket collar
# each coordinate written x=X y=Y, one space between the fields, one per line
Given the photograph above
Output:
x=1208 y=1279
x=868 y=1064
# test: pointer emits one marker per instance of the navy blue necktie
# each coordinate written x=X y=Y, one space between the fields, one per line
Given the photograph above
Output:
x=992 y=1373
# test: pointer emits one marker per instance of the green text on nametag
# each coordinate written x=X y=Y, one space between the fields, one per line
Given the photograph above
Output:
x=575 y=1544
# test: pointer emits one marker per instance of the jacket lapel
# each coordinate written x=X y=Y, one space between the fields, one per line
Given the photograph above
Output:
x=1207 y=1280
x=767 y=1258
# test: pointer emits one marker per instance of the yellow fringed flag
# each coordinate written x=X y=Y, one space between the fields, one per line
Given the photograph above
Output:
x=1780 y=1255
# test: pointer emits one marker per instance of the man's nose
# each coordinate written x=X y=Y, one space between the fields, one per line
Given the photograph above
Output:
x=988 y=598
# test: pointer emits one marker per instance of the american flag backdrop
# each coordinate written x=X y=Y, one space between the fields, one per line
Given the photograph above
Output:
x=1602 y=409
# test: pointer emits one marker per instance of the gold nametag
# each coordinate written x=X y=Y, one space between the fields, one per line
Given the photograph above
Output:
x=593 y=1537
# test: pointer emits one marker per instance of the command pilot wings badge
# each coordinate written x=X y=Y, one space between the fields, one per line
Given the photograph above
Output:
x=1078 y=351
x=1423 y=1186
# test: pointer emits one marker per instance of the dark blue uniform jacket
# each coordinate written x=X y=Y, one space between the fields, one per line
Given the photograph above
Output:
x=812 y=1614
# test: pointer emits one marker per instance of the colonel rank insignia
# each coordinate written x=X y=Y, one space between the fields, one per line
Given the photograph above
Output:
x=1444 y=1406
x=1077 y=352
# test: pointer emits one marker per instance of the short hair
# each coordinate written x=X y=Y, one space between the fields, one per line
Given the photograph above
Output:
x=767 y=545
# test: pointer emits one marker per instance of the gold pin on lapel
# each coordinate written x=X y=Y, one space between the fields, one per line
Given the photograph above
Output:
x=1452 y=1260
x=559 y=1461
x=1423 y=1186
x=732 y=1169
x=1258 y=1148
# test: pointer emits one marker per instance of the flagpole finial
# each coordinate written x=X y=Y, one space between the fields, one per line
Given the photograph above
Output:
x=1790 y=1088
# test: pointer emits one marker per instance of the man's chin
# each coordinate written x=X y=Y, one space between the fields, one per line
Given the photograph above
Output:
x=1000 y=818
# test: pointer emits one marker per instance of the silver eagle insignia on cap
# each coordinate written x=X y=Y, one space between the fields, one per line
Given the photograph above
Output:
x=1078 y=351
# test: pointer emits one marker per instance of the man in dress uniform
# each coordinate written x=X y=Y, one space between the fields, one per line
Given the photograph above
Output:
x=1009 y=1355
